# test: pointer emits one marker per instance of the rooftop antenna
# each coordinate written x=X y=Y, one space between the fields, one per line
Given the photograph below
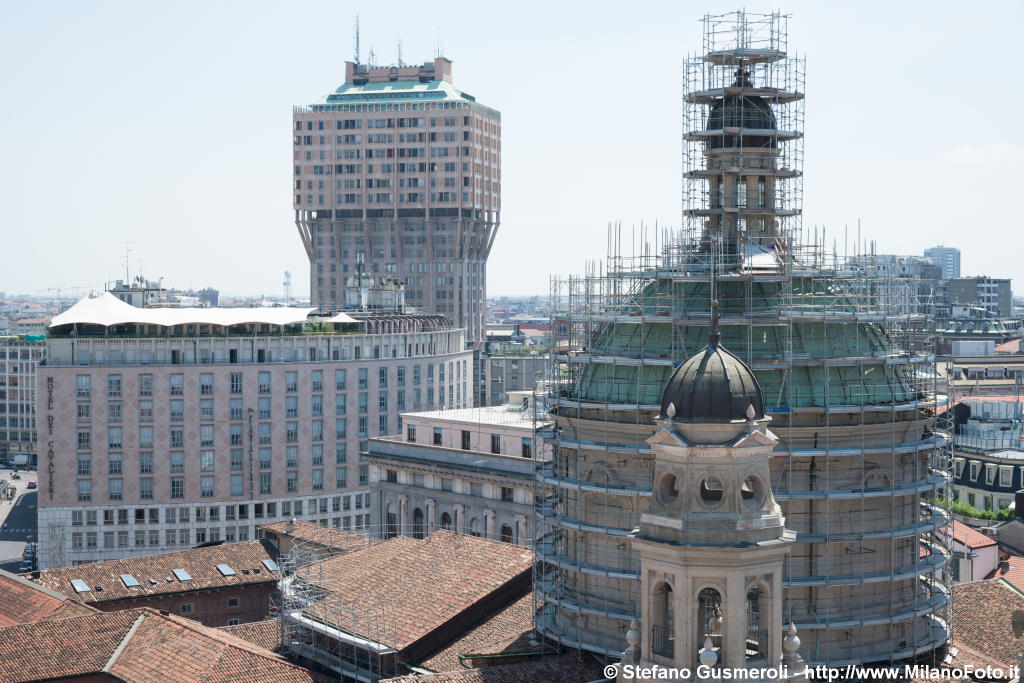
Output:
x=287 y=286
x=400 y=62
x=371 y=59
x=356 y=31
x=438 y=46
x=127 y=251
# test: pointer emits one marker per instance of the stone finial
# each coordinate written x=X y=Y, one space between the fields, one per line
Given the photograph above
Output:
x=708 y=657
x=790 y=645
x=670 y=412
x=751 y=413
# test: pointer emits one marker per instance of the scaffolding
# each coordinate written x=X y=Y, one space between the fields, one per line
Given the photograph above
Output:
x=844 y=353
x=321 y=627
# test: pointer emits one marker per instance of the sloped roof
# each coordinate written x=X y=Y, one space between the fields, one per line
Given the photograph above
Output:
x=328 y=537
x=24 y=602
x=140 y=645
x=982 y=613
x=265 y=634
x=418 y=584
x=245 y=558
x=567 y=669
x=974 y=538
x=107 y=310
x=507 y=632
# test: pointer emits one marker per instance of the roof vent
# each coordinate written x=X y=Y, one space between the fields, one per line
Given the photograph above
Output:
x=169 y=579
x=98 y=589
x=246 y=572
x=225 y=570
x=152 y=582
x=80 y=586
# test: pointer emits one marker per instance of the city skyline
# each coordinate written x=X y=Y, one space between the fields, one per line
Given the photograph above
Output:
x=173 y=131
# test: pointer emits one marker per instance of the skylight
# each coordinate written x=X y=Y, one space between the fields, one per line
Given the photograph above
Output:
x=225 y=570
x=182 y=575
x=270 y=564
x=129 y=581
x=79 y=586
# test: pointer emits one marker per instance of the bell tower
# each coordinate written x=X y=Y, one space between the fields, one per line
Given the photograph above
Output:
x=712 y=541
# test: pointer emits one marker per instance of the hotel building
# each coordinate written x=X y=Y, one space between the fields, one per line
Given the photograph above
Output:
x=163 y=428
x=398 y=173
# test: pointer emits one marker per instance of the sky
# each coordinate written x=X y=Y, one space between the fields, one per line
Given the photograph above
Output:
x=165 y=128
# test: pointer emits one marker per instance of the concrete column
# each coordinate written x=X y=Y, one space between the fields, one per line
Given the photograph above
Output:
x=431 y=513
x=403 y=514
x=460 y=518
x=489 y=531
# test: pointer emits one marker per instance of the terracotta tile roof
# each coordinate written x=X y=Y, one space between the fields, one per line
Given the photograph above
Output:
x=975 y=539
x=418 y=584
x=25 y=602
x=567 y=669
x=200 y=563
x=507 y=632
x=1011 y=570
x=266 y=633
x=981 y=621
x=140 y=645
x=1012 y=346
x=328 y=537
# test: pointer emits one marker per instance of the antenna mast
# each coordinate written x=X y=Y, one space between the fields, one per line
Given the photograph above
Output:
x=400 y=62
x=356 y=31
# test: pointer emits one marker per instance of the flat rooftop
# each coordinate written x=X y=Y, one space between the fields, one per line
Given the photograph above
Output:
x=491 y=415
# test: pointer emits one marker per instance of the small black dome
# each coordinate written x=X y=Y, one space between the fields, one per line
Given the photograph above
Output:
x=736 y=111
x=712 y=386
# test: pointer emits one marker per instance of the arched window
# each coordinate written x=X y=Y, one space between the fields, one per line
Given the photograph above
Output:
x=709 y=620
x=474 y=527
x=391 y=522
x=663 y=626
x=506 y=533
x=757 y=631
x=446 y=521
x=417 y=523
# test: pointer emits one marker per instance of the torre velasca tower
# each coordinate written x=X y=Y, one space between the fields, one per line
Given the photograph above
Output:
x=843 y=361
x=397 y=175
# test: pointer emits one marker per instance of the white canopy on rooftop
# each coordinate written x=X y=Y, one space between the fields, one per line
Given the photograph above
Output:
x=106 y=310
x=341 y=318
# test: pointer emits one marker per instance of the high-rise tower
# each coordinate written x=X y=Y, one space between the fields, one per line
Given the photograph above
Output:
x=844 y=368
x=397 y=173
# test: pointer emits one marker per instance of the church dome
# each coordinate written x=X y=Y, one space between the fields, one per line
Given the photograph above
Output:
x=741 y=111
x=712 y=385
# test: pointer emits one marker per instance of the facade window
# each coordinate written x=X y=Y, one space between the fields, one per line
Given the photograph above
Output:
x=507 y=494
x=316 y=379
x=115 y=489
x=265 y=482
x=186 y=608
x=264 y=409
x=340 y=428
x=206 y=409
x=340 y=453
x=235 y=434
x=291 y=456
x=146 y=462
x=265 y=458
x=206 y=461
x=113 y=385
x=235 y=407
x=177 y=385
x=83 y=387
x=364 y=427
x=263 y=382
x=382 y=401
x=291 y=381
x=341 y=478
x=177 y=487
x=206 y=488
x=145 y=385
x=146 y=488
x=84 y=411
x=115 y=463
x=236 y=382
x=317 y=452
x=177 y=462
x=382 y=378
x=437 y=436
x=177 y=435
x=291 y=432
x=340 y=380
x=364 y=402
x=382 y=425
x=291 y=406
x=84 y=439
x=292 y=482
x=495 y=443
x=363 y=378
x=236 y=484
x=114 y=411
x=146 y=437
x=364 y=474
x=411 y=433
x=527 y=447
x=317 y=405
x=115 y=437
x=264 y=432
x=177 y=410
x=318 y=480
x=84 y=465
x=236 y=459
x=339 y=404
x=206 y=384
x=205 y=435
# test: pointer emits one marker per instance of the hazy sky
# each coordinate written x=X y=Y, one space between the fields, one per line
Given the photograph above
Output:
x=169 y=125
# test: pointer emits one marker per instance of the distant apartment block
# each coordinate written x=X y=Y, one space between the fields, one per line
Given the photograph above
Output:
x=506 y=374
x=948 y=258
x=18 y=361
x=397 y=173
x=184 y=426
x=992 y=294
x=469 y=471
